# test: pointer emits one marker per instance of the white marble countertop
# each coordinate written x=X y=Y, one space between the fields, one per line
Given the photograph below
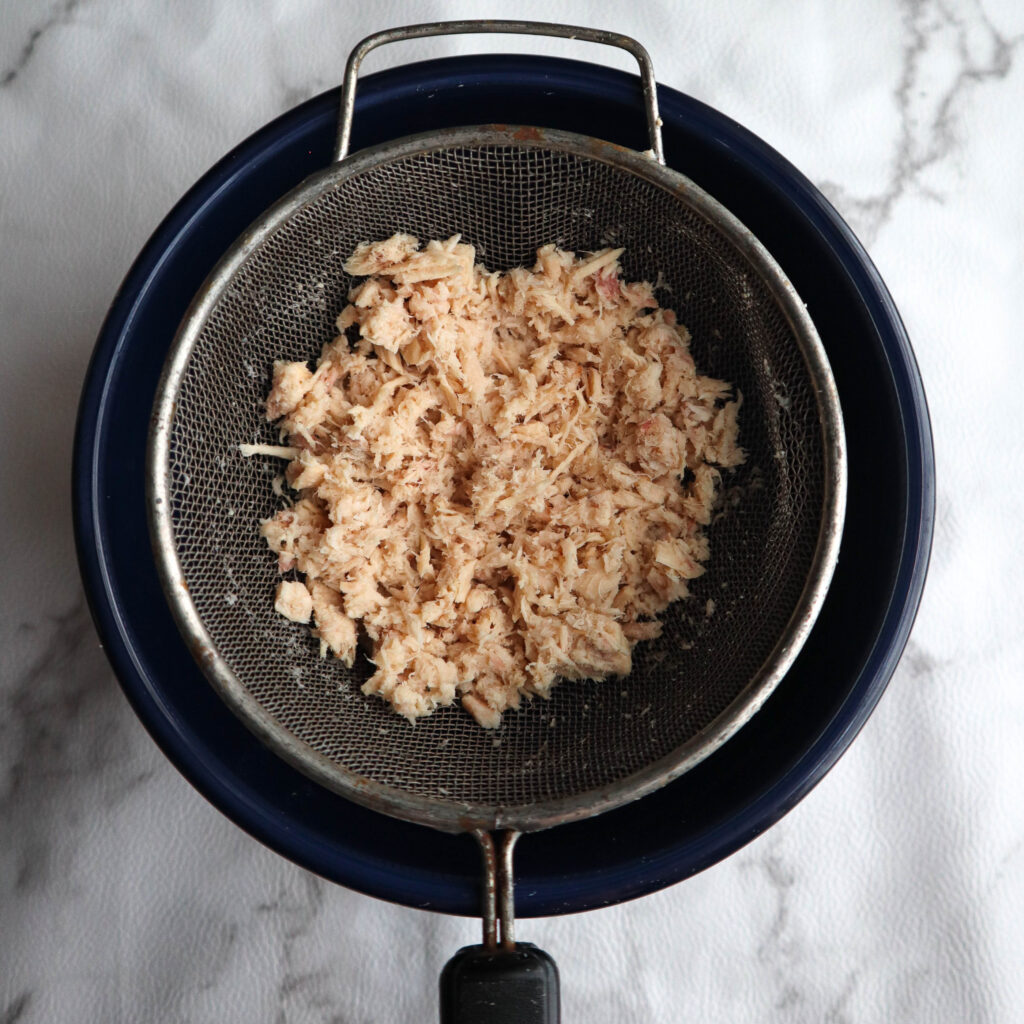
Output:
x=894 y=892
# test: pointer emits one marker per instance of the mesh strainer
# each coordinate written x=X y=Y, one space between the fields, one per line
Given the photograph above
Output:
x=593 y=746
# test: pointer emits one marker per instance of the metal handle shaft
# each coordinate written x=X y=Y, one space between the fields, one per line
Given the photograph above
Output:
x=498 y=889
x=530 y=28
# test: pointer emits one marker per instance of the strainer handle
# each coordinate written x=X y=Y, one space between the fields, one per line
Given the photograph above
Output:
x=500 y=981
x=517 y=986
x=527 y=28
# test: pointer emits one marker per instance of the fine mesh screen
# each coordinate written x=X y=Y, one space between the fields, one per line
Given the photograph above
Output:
x=506 y=200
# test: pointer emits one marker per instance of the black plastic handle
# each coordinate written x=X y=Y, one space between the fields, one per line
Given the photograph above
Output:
x=499 y=986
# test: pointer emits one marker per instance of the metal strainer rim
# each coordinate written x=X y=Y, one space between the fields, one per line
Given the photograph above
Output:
x=392 y=800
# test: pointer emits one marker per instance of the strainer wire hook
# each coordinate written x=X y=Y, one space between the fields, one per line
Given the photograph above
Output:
x=529 y=28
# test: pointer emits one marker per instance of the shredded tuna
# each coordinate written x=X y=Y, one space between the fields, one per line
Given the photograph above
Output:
x=293 y=601
x=504 y=478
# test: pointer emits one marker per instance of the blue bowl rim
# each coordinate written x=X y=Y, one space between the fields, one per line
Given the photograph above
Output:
x=627 y=880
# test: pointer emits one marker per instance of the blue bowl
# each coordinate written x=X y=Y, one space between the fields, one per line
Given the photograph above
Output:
x=751 y=781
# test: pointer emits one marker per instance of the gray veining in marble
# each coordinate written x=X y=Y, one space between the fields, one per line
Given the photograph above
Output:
x=60 y=15
x=929 y=99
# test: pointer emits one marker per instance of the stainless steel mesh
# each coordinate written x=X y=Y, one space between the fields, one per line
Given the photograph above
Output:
x=593 y=744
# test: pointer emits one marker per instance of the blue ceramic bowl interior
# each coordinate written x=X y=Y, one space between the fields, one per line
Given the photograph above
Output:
x=733 y=795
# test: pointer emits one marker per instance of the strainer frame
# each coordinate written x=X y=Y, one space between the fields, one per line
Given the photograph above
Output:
x=421 y=809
